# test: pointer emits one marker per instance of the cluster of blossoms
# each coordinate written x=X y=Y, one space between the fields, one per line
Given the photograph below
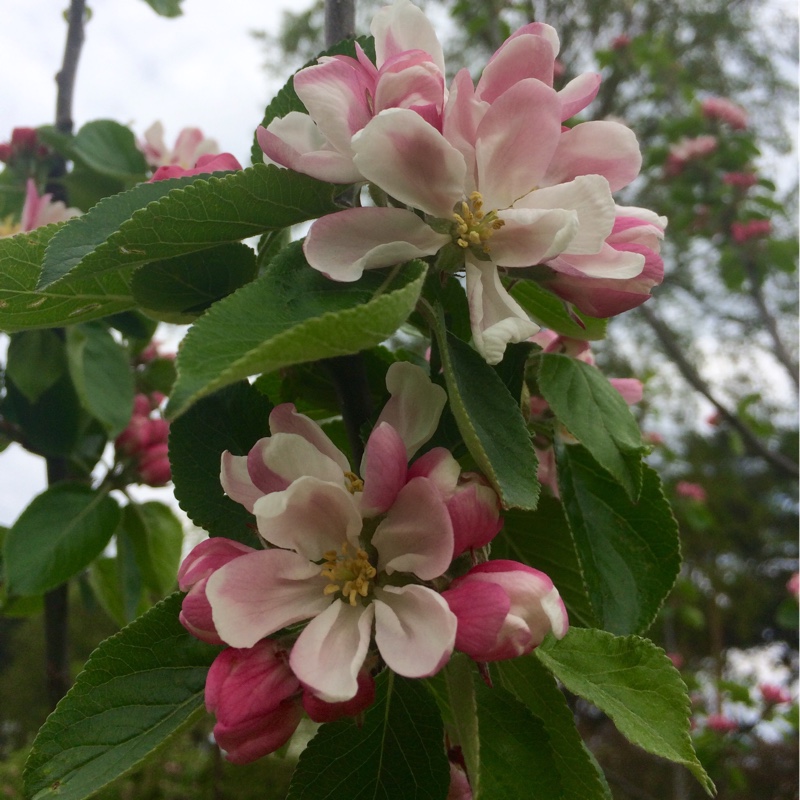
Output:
x=485 y=176
x=538 y=409
x=688 y=149
x=143 y=443
x=724 y=110
x=23 y=146
x=193 y=154
x=367 y=562
x=691 y=491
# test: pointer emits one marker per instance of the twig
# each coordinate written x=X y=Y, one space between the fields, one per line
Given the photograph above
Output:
x=669 y=343
x=340 y=21
x=65 y=79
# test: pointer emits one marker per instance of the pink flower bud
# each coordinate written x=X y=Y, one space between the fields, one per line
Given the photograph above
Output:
x=459 y=785
x=141 y=405
x=621 y=42
x=254 y=695
x=752 y=229
x=154 y=467
x=5 y=152
x=320 y=711
x=724 y=110
x=720 y=723
x=24 y=140
x=773 y=694
x=135 y=437
x=504 y=609
x=740 y=180
x=692 y=491
x=793 y=585
x=676 y=659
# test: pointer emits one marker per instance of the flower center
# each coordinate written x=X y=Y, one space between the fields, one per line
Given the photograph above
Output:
x=348 y=575
x=473 y=226
x=8 y=227
x=353 y=483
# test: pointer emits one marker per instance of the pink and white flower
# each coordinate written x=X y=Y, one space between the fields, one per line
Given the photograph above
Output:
x=504 y=610
x=342 y=94
x=190 y=145
x=346 y=554
x=37 y=211
x=726 y=111
x=208 y=163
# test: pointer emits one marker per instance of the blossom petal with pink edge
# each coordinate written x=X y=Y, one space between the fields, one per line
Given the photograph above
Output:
x=196 y=615
x=631 y=389
x=462 y=115
x=402 y=26
x=222 y=162
x=474 y=512
x=275 y=461
x=285 y=419
x=384 y=469
x=260 y=735
x=415 y=630
x=262 y=592
x=440 y=467
x=596 y=148
x=236 y=482
x=578 y=93
x=294 y=141
x=516 y=141
x=344 y=244
x=607 y=262
x=310 y=517
x=415 y=405
x=329 y=653
x=589 y=196
x=207 y=557
x=416 y=535
x=495 y=317
x=411 y=80
x=411 y=161
x=526 y=55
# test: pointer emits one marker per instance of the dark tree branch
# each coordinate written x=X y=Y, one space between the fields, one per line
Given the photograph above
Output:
x=65 y=79
x=779 y=349
x=672 y=348
x=340 y=21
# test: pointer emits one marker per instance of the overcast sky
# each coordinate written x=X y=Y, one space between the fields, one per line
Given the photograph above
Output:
x=202 y=69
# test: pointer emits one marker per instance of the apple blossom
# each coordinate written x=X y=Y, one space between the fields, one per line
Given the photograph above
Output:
x=752 y=229
x=37 y=211
x=726 y=111
x=341 y=95
x=190 y=145
x=206 y=163
x=504 y=610
x=691 y=491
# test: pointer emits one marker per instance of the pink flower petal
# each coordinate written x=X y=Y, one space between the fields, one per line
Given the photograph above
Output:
x=410 y=80
x=207 y=557
x=532 y=235
x=330 y=651
x=415 y=405
x=475 y=513
x=384 y=469
x=578 y=93
x=518 y=58
x=617 y=263
x=344 y=244
x=285 y=419
x=495 y=317
x=517 y=138
x=236 y=483
x=596 y=148
x=262 y=592
x=403 y=26
x=310 y=517
x=410 y=160
x=440 y=467
x=462 y=115
x=481 y=609
x=415 y=630
x=416 y=535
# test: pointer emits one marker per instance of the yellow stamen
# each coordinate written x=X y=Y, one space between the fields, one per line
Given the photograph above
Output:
x=353 y=483
x=473 y=227
x=350 y=576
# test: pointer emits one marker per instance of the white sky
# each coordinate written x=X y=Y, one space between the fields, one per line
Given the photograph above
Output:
x=202 y=69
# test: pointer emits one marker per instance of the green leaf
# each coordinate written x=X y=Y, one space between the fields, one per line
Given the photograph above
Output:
x=461 y=717
x=516 y=753
x=593 y=411
x=190 y=214
x=110 y=149
x=290 y=315
x=629 y=552
x=166 y=8
x=534 y=686
x=56 y=536
x=185 y=286
x=234 y=419
x=490 y=422
x=156 y=537
x=116 y=589
x=101 y=375
x=632 y=681
x=35 y=362
x=398 y=752
x=23 y=306
x=542 y=539
x=551 y=312
x=138 y=688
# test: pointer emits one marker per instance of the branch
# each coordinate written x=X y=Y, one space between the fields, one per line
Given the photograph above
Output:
x=340 y=21
x=65 y=79
x=780 y=351
x=670 y=345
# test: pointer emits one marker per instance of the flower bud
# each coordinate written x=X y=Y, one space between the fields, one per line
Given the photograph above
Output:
x=320 y=711
x=154 y=467
x=504 y=610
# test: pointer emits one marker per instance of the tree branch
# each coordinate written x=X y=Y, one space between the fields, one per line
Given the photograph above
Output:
x=780 y=351
x=671 y=347
x=340 y=21
x=65 y=79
